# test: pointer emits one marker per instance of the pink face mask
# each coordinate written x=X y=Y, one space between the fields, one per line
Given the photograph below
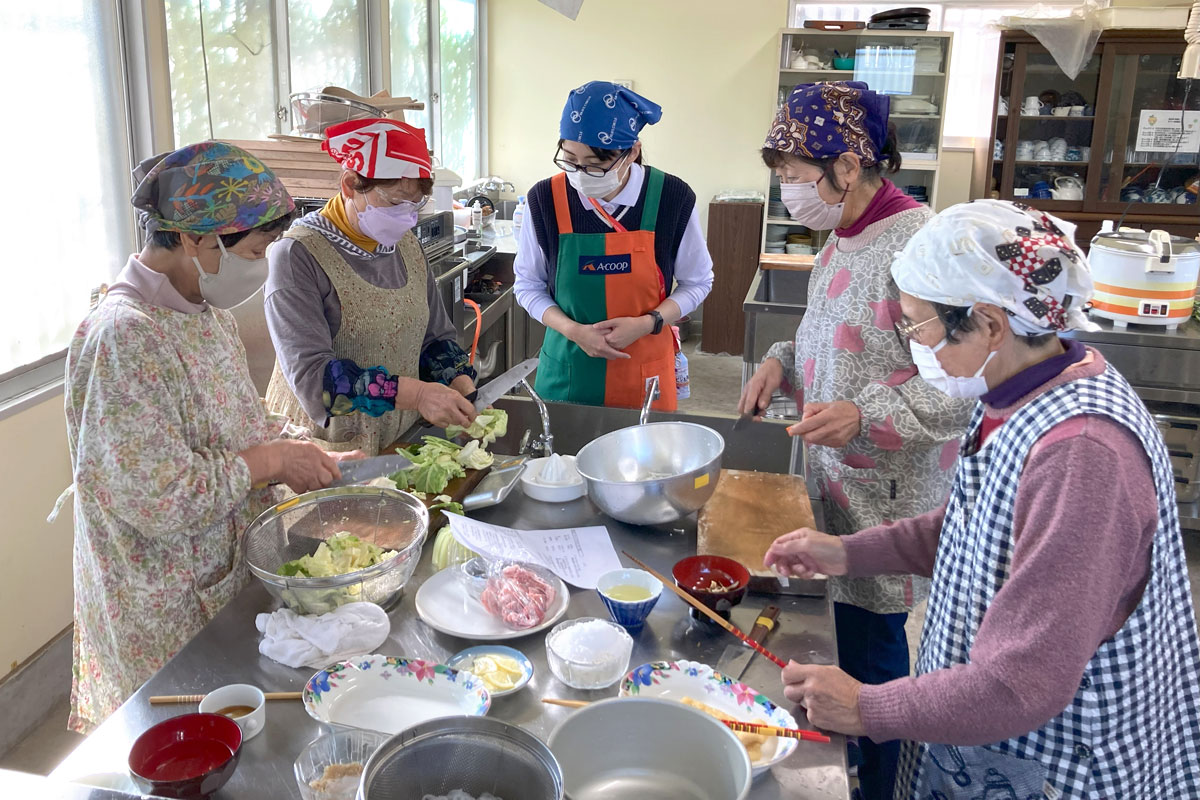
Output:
x=805 y=205
x=387 y=224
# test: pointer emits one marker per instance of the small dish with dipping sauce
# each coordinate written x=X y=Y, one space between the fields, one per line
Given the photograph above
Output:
x=718 y=582
x=629 y=595
x=244 y=704
x=503 y=670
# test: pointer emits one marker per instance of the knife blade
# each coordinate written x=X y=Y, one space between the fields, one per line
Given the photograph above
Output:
x=497 y=387
x=737 y=656
x=364 y=469
x=797 y=587
x=746 y=418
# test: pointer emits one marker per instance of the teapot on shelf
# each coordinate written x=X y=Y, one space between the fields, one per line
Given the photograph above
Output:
x=1068 y=187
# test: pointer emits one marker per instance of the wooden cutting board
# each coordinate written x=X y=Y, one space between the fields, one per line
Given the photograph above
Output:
x=748 y=511
x=457 y=488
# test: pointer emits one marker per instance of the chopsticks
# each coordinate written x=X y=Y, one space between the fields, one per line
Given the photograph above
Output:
x=714 y=616
x=732 y=724
x=167 y=699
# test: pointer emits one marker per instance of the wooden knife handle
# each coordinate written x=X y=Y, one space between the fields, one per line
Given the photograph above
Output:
x=764 y=624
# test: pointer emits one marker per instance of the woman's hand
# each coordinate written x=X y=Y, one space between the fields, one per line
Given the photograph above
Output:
x=302 y=465
x=828 y=424
x=441 y=406
x=804 y=553
x=593 y=342
x=828 y=694
x=756 y=395
x=620 y=332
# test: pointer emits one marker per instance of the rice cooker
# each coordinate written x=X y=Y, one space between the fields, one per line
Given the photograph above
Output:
x=1144 y=278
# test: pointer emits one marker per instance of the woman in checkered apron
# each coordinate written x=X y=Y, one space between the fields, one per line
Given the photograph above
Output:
x=1059 y=656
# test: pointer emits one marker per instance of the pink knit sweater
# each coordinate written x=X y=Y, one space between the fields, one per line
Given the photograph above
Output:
x=1085 y=518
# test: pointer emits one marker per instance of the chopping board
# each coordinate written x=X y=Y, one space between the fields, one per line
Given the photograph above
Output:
x=457 y=488
x=748 y=511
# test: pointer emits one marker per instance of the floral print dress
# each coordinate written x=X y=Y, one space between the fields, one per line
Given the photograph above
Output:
x=902 y=462
x=159 y=403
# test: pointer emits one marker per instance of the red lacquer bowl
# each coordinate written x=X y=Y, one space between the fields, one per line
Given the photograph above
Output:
x=697 y=575
x=189 y=756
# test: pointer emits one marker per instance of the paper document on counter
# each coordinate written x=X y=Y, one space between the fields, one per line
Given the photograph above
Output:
x=577 y=555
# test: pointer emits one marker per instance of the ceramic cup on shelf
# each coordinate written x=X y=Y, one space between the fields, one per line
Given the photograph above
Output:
x=1002 y=107
x=1041 y=191
x=1157 y=195
x=1077 y=111
x=1074 y=154
x=1061 y=111
x=1089 y=111
x=997 y=149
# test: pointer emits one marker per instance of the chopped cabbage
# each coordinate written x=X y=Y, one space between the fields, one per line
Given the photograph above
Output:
x=339 y=554
x=448 y=551
x=474 y=457
x=489 y=425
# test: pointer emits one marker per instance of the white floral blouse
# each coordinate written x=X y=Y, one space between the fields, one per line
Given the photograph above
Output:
x=159 y=403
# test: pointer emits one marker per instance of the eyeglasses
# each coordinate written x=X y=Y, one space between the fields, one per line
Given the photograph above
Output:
x=906 y=331
x=393 y=201
x=594 y=171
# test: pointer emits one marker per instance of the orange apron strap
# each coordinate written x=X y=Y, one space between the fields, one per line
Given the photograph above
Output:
x=612 y=223
x=562 y=209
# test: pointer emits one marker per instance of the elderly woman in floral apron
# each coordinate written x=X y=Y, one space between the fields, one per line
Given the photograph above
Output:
x=611 y=255
x=1059 y=656
x=170 y=444
x=364 y=344
x=880 y=441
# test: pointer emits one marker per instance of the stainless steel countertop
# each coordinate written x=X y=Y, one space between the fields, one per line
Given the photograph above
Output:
x=27 y=787
x=1187 y=337
x=226 y=651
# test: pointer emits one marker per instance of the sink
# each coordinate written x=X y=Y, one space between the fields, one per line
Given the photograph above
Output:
x=783 y=288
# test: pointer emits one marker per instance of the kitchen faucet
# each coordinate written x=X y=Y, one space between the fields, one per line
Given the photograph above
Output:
x=544 y=443
x=652 y=394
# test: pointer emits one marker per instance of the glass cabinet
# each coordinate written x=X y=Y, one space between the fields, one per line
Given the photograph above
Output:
x=1120 y=139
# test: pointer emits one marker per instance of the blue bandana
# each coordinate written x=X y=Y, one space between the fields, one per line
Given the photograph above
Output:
x=602 y=114
x=824 y=120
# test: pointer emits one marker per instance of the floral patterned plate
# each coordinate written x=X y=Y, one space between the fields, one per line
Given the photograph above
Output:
x=388 y=694
x=675 y=680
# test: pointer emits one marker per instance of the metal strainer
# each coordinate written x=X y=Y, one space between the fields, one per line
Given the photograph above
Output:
x=474 y=754
x=391 y=519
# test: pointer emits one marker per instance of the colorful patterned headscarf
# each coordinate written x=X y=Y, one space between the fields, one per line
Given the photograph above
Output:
x=1007 y=254
x=824 y=120
x=602 y=114
x=384 y=149
x=208 y=188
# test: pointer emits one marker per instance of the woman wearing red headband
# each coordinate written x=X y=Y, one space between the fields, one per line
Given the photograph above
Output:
x=365 y=345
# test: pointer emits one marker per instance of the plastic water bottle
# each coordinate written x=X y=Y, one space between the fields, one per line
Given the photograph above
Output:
x=518 y=215
x=683 y=388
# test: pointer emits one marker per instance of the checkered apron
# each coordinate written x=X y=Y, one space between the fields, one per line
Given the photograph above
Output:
x=1133 y=728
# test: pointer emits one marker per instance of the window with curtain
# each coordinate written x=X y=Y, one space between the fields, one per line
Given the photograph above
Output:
x=410 y=56
x=459 y=101
x=67 y=205
x=222 y=62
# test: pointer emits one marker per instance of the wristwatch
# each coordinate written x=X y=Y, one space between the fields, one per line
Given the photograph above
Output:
x=658 y=322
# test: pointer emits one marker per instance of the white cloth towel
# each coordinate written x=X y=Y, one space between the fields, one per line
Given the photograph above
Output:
x=318 y=641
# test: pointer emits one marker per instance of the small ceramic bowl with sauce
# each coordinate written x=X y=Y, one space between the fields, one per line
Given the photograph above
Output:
x=629 y=595
x=717 y=582
x=240 y=702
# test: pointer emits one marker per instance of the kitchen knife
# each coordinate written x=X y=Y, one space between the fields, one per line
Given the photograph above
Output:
x=364 y=469
x=737 y=656
x=796 y=587
x=746 y=418
x=497 y=387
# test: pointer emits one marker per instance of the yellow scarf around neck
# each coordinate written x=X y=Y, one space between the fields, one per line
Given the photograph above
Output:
x=335 y=212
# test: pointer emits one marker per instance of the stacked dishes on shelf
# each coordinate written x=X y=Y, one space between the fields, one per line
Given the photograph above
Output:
x=776 y=234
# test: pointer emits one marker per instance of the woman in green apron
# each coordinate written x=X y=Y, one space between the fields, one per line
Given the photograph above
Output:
x=609 y=257
x=365 y=346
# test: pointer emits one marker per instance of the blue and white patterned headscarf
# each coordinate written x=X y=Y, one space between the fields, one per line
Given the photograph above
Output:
x=602 y=114
x=824 y=120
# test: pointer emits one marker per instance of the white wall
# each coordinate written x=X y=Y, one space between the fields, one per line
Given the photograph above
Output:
x=711 y=65
x=35 y=564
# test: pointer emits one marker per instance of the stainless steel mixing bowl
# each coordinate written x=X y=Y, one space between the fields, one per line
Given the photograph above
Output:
x=652 y=474
x=391 y=519
x=474 y=754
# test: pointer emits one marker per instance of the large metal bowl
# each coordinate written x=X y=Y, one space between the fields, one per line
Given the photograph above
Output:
x=474 y=754
x=391 y=519
x=652 y=474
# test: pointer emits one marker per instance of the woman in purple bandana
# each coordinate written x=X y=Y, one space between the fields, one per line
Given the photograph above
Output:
x=880 y=442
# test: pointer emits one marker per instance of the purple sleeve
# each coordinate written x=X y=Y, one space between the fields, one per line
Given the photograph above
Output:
x=907 y=547
x=1089 y=492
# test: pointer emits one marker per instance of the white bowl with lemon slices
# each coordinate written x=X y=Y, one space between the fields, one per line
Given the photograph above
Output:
x=502 y=670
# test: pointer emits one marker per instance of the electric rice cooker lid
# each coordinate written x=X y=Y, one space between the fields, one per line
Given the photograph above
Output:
x=1142 y=243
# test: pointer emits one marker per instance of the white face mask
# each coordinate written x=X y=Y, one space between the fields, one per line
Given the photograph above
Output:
x=235 y=281
x=804 y=203
x=597 y=187
x=925 y=358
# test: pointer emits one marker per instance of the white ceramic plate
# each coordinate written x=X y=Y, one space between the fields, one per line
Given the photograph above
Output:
x=675 y=680
x=388 y=694
x=444 y=605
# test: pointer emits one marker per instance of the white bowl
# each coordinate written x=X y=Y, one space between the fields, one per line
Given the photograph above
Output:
x=239 y=694
x=552 y=492
x=675 y=680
